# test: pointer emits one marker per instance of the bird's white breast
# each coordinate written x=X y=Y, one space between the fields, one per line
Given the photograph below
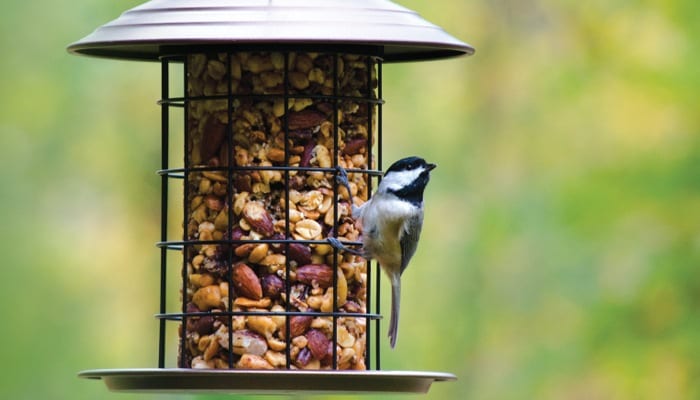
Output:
x=385 y=215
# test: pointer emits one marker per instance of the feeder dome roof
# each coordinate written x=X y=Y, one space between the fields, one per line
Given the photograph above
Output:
x=170 y=27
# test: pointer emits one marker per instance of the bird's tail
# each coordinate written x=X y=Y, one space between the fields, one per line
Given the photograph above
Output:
x=395 y=305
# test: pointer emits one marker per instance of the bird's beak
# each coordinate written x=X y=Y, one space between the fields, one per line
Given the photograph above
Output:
x=431 y=166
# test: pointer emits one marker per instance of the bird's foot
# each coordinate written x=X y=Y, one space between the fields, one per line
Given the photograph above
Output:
x=341 y=178
x=334 y=242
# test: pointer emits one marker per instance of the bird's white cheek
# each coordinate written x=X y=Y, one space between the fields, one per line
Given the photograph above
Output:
x=398 y=180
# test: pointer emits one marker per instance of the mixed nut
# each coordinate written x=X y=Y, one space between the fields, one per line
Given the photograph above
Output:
x=262 y=131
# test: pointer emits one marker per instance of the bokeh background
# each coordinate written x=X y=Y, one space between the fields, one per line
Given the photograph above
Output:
x=561 y=252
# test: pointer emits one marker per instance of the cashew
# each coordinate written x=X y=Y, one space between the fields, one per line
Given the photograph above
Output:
x=251 y=361
x=275 y=358
x=263 y=325
x=345 y=339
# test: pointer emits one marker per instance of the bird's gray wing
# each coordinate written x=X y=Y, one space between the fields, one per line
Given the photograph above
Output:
x=409 y=239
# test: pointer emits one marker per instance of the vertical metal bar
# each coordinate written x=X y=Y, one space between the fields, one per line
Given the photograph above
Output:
x=287 y=225
x=165 y=133
x=185 y=204
x=336 y=138
x=229 y=197
x=368 y=300
x=378 y=274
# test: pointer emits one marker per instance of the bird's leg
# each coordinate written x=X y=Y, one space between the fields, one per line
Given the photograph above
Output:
x=341 y=178
x=340 y=246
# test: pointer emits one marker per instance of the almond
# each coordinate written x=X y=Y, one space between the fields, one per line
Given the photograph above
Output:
x=203 y=325
x=255 y=214
x=318 y=343
x=242 y=182
x=307 y=154
x=246 y=282
x=244 y=249
x=305 y=119
x=213 y=203
x=298 y=324
x=352 y=307
x=300 y=253
x=275 y=154
x=272 y=286
x=212 y=137
x=316 y=275
x=354 y=145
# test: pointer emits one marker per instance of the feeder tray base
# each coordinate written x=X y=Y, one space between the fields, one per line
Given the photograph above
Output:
x=176 y=380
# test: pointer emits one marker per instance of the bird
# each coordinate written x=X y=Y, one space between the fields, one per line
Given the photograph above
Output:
x=391 y=221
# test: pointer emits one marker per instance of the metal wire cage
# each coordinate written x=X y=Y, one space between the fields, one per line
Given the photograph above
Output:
x=339 y=114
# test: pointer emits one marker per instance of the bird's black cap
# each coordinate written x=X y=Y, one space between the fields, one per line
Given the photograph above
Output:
x=410 y=163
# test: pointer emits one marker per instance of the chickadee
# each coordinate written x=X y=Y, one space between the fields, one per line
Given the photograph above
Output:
x=391 y=223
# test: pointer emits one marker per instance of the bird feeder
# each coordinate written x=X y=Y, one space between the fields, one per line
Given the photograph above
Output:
x=276 y=96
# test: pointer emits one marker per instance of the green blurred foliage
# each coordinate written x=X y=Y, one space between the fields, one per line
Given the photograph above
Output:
x=561 y=249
